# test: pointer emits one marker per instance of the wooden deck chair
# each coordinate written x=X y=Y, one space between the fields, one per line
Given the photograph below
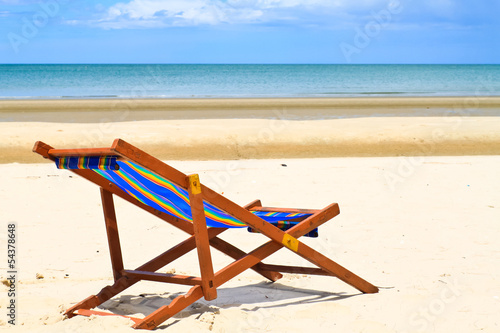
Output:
x=131 y=174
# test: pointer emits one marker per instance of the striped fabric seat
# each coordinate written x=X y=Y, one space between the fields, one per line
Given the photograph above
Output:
x=88 y=162
x=164 y=195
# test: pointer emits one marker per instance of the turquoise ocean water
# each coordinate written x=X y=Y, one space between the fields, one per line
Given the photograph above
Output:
x=212 y=81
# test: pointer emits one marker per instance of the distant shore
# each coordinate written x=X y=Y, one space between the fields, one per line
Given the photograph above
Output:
x=212 y=129
x=97 y=110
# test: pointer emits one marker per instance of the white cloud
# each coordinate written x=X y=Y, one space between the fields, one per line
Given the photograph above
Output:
x=159 y=13
x=19 y=2
x=326 y=13
x=150 y=13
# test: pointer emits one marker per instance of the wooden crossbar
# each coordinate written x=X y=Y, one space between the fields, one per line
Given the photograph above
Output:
x=200 y=238
x=81 y=152
x=160 y=277
x=294 y=269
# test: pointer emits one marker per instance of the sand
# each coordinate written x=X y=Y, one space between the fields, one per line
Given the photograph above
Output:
x=420 y=225
x=425 y=230
x=257 y=128
x=193 y=107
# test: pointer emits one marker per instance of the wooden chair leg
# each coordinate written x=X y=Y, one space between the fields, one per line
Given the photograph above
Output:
x=105 y=294
x=112 y=232
x=332 y=267
x=201 y=235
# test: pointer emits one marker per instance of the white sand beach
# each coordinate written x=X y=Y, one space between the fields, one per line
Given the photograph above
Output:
x=420 y=211
x=428 y=240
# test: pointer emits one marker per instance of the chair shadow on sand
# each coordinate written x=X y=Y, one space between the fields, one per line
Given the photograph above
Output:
x=259 y=293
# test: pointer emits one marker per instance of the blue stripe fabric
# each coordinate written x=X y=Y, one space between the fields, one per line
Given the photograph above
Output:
x=165 y=196
x=87 y=162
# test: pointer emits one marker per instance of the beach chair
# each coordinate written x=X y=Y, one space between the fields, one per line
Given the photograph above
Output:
x=182 y=201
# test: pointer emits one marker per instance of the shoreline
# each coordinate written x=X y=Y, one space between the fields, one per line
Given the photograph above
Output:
x=248 y=102
x=257 y=128
x=119 y=110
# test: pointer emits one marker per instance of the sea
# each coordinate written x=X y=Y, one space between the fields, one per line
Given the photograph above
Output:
x=94 y=81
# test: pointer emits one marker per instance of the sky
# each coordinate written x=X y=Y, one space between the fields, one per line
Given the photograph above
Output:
x=250 y=31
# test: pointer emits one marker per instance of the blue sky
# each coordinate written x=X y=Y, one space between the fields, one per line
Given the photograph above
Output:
x=250 y=31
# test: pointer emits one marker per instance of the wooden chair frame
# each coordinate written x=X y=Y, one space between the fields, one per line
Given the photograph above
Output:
x=201 y=238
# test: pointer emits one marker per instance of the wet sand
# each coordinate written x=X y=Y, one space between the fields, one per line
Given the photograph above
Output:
x=257 y=128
